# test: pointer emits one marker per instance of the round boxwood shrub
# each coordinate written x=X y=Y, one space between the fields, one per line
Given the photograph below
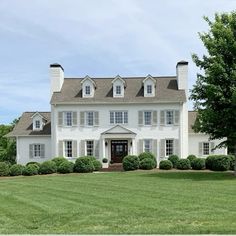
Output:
x=33 y=162
x=232 y=162
x=59 y=160
x=104 y=160
x=48 y=167
x=130 y=162
x=65 y=167
x=209 y=161
x=174 y=159
x=96 y=163
x=30 y=169
x=147 y=164
x=16 y=170
x=165 y=165
x=84 y=165
x=183 y=164
x=221 y=163
x=198 y=164
x=149 y=155
x=191 y=158
x=4 y=169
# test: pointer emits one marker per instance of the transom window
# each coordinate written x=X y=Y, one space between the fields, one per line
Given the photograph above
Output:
x=87 y=90
x=37 y=124
x=169 y=117
x=118 y=90
x=118 y=117
x=149 y=89
x=68 y=118
x=206 y=148
x=169 y=147
x=37 y=150
x=90 y=147
x=147 y=117
x=147 y=145
x=89 y=118
x=68 y=148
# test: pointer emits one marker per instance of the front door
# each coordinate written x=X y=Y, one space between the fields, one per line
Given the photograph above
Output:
x=119 y=149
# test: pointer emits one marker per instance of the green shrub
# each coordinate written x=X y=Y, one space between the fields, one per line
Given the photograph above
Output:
x=97 y=165
x=33 y=162
x=147 y=164
x=59 y=160
x=104 y=160
x=149 y=155
x=232 y=162
x=198 y=164
x=65 y=167
x=84 y=165
x=31 y=169
x=48 y=167
x=183 y=164
x=130 y=162
x=165 y=165
x=16 y=169
x=191 y=158
x=174 y=159
x=209 y=161
x=4 y=169
x=221 y=163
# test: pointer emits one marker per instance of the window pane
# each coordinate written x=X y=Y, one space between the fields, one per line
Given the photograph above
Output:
x=206 y=149
x=68 y=148
x=118 y=117
x=87 y=90
x=149 y=88
x=169 y=147
x=68 y=118
x=118 y=89
x=90 y=118
x=147 y=145
x=37 y=124
x=89 y=147
x=125 y=117
x=169 y=117
x=147 y=117
x=111 y=117
x=37 y=149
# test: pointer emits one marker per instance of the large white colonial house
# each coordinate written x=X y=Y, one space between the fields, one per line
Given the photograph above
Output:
x=112 y=117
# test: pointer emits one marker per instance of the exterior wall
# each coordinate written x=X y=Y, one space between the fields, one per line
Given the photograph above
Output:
x=184 y=137
x=195 y=139
x=23 y=149
x=94 y=133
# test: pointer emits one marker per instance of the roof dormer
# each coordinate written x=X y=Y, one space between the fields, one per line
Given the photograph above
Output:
x=88 y=87
x=38 y=121
x=118 y=86
x=149 y=85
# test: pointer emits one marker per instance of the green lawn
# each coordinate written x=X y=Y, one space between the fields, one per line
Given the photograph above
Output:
x=126 y=202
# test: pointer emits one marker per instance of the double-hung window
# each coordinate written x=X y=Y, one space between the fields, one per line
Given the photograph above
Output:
x=206 y=148
x=37 y=124
x=87 y=90
x=118 y=90
x=147 y=145
x=37 y=150
x=68 y=148
x=118 y=117
x=169 y=147
x=90 y=147
x=169 y=117
x=68 y=118
x=149 y=89
x=89 y=118
x=147 y=117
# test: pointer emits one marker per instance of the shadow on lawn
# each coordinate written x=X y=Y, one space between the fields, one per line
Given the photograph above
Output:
x=195 y=176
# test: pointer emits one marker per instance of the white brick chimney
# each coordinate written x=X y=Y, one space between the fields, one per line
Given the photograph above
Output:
x=182 y=75
x=57 y=77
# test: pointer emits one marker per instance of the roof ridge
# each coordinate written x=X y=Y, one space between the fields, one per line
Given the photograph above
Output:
x=124 y=77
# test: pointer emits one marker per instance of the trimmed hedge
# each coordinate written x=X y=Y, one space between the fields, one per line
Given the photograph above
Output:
x=48 y=167
x=16 y=170
x=97 y=165
x=31 y=169
x=209 y=161
x=218 y=162
x=59 y=160
x=149 y=155
x=232 y=161
x=130 y=162
x=33 y=162
x=65 y=167
x=183 y=164
x=147 y=164
x=165 y=165
x=174 y=159
x=198 y=164
x=191 y=158
x=83 y=165
x=4 y=169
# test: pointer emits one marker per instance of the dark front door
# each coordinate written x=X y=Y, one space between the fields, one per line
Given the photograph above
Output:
x=119 y=149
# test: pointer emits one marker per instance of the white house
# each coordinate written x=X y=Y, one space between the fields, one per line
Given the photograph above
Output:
x=112 y=117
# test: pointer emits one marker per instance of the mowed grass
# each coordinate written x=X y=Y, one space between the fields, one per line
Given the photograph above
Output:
x=126 y=202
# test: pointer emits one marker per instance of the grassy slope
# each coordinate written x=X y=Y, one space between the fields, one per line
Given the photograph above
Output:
x=134 y=202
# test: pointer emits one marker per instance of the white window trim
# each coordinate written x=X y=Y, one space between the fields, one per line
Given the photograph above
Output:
x=64 y=147
x=149 y=85
x=173 y=112
x=144 y=117
x=118 y=94
x=172 y=147
x=86 y=120
x=40 y=156
x=86 y=153
x=150 y=140
x=209 y=149
x=64 y=118
x=114 y=117
x=85 y=87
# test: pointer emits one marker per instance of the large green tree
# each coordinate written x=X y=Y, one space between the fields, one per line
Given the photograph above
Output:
x=214 y=93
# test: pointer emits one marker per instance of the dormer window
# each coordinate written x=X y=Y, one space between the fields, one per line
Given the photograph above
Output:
x=118 y=86
x=37 y=124
x=38 y=121
x=87 y=90
x=149 y=84
x=149 y=89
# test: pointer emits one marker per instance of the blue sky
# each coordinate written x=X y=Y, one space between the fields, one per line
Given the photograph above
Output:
x=94 y=37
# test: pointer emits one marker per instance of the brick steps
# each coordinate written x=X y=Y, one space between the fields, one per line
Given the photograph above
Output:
x=113 y=167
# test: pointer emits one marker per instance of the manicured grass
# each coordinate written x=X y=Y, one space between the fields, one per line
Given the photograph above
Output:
x=126 y=202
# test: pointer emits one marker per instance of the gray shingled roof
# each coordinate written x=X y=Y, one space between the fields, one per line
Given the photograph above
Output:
x=166 y=91
x=192 y=115
x=25 y=125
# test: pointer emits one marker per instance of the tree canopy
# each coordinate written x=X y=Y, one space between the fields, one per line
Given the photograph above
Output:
x=214 y=93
